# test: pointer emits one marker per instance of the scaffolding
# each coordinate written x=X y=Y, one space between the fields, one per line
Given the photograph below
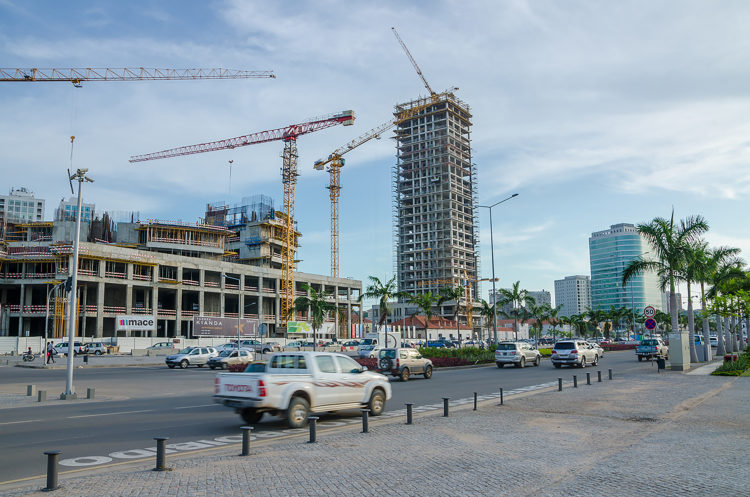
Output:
x=435 y=222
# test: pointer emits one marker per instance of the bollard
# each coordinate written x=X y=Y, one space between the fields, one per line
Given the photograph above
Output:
x=475 y=401
x=86 y=359
x=575 y=381
x=408 y=413
x=30 y=390
x=365 y=420
x=246 y=440
x=161 y=450
x=445 y=406
x=41 y=396
x=588 y=378
x=610 y=374
x=599 y=376
x=501 y=396
x=313 y=429
x=52 y=470
x=90 y=393
x=559 y=384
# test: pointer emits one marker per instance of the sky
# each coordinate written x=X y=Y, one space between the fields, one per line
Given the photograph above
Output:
x=595 y=113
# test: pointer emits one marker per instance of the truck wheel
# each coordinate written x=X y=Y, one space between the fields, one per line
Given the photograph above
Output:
x=405 y=374
x=297 y=412
x=428 y=372
x=250 y=416
x=640 y=358
x=183 y=363
x=98 y=352
x=377 y=403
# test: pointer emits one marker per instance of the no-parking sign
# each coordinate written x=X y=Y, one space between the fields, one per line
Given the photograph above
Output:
x=650 y=323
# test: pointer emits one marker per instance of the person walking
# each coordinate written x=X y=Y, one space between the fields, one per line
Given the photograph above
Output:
x=50 y=353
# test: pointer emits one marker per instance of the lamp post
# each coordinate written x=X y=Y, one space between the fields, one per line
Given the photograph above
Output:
x=80 y=176
x=55 y=285
x=239 y=298
x=492 y=250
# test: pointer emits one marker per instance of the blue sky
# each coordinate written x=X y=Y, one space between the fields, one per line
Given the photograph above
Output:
x=594 y=112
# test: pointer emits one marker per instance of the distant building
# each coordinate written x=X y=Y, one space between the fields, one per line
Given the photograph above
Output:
x=610 y=252
x=667 y=301
x=21 y=206
x=541 y=297
x=573 y=294
x=68 y=210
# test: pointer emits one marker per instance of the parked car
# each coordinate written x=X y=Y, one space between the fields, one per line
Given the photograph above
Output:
x=598 y=348
x=435 y=343
x=96 y=348
x=349 y=346
x=229 y=357
x=517 y=353
x=62 y=348
x=403 y=362
x=295 y=384
x=191 y=356
x=713 y=340
x=259 y=346
x=161 y=346
x=652 y=348
x=574 y=353
x=297 y=345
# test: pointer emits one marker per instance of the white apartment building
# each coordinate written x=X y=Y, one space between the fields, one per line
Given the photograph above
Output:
x=68 y=210
x=573 y=293
x=20 y=206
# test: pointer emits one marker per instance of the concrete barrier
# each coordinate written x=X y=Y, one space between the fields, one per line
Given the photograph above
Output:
x=139 y=352
x=161 y=352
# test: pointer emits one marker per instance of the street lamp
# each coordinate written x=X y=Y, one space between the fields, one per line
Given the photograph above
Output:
x=492 y=249
x=55 y=285
x=239 y=298
x=80 y=176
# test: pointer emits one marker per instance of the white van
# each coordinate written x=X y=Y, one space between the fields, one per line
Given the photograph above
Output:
x=380 y=339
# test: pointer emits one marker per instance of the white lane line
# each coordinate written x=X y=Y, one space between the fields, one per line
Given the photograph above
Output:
x=18 y=422
x=108 y=414
x=202 y=405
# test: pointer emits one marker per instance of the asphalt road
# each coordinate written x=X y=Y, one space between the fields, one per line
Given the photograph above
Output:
x=145 y=402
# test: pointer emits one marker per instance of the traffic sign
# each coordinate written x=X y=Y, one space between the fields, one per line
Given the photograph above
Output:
x=650 y=323
x=649 y=311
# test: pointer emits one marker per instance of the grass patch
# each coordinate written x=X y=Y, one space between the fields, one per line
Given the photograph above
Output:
x=740 y=367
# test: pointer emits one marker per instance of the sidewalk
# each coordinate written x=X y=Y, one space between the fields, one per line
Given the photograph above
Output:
x=666 y=435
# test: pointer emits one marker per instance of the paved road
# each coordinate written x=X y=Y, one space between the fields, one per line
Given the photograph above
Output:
x=140 y=409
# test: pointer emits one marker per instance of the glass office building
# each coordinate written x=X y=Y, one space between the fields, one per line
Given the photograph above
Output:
x=610 y=251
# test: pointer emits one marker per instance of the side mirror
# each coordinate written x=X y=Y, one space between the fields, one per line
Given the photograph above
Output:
x=364 y=368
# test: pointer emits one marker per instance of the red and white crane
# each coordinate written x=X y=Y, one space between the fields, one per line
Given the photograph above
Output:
x=289 y=175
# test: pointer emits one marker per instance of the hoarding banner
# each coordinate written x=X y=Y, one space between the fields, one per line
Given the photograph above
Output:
x=208 y=326
x=136 y=322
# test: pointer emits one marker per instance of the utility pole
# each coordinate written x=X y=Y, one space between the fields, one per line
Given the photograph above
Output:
x=69 y=394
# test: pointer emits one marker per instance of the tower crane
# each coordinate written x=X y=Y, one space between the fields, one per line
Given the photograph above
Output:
x=76 y=75
x=335 y=162
x=433 y=95
x=289 y=175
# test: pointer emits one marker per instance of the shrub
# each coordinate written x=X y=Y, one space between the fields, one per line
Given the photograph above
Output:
x=471 y=355
x=618 y=346
x=369 y=363
x=236 y=368
x=545 y=352
x=733 y=368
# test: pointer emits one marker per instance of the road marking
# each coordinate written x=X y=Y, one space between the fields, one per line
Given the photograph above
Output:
x=108 y=414
x=202 y=405
x=17 y=422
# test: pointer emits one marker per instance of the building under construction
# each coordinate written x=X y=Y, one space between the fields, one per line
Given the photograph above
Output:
x=436 y=226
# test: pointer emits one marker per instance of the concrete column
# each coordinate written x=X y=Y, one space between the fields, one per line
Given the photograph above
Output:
x=222 y=303
x=129 y=298
x=201 y=300
x=20 y=310
x=129 y=272
x=260 y=300
x=178 y=306
x=100 y=308
x=201 y=279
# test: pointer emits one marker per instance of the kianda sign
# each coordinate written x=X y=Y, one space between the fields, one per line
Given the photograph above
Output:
x=136 y=322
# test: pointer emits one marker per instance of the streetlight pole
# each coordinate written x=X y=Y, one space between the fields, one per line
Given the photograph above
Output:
x=239 y=298
x=54 y=288
x=492 y=250
x=80 y=176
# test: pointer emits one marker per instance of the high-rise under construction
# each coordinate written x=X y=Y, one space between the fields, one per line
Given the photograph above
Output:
x=435 y=197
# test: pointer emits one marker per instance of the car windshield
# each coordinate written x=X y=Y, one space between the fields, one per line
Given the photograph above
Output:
x=186 y=350
x=648 y=342
x=565 y=345
x=226 y=353
x=506 y=346
x=367 y=341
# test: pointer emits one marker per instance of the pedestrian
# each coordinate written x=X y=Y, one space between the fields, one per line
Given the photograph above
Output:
x=50 y=352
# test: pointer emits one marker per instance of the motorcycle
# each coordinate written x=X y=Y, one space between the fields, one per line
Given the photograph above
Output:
x=28 y=357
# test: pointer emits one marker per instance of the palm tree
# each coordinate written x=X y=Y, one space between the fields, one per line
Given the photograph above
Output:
x=663 y=320
x=425 y=302
x=627 y=315
x=452 y=293
x=693 y=266
x=383 y=292
x=720 y=277
x=668 y=242
x=539 y=313
x=517 y=298
x=595 y=317
x=487 y=312
x=554 y=319
x=318 y=307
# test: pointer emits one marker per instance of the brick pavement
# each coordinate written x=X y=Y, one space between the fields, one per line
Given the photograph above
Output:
x=666 y=435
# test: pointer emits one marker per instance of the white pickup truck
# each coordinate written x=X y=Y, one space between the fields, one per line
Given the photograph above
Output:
x=295 y=384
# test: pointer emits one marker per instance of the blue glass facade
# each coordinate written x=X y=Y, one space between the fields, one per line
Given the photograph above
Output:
x=610 y=251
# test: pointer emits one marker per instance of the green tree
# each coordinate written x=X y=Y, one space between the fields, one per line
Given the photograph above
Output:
x=487 y=312
x=595 y=317
x=425 y=302
x=721 y=280
x=713 y=259
x=578 y=322
x=539 y=314
x=517 y=298
x=456 y=294
x=669 y=242
x=318 y=307
x=383 y=292
x=554 y=319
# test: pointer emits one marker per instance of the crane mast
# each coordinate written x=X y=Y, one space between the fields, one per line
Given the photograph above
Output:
x=76 y=75
x=414 y=63
x=289 y=175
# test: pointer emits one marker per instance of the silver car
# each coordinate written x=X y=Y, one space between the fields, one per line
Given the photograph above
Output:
x=191 y=356
x=574 y=353
x=517 y=353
